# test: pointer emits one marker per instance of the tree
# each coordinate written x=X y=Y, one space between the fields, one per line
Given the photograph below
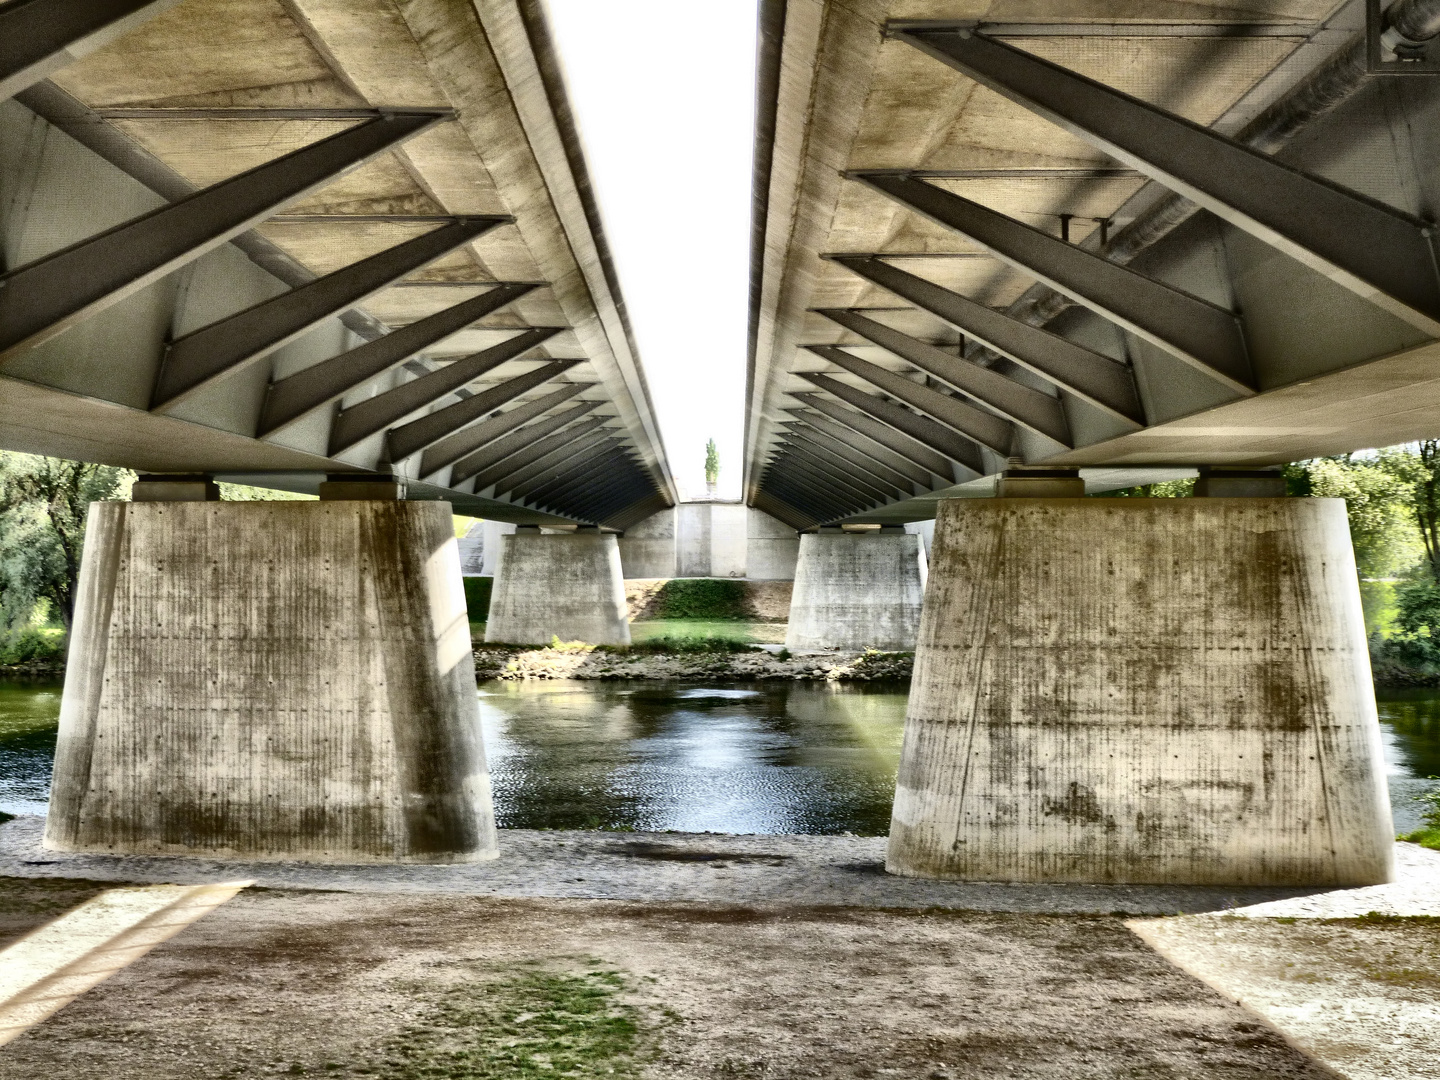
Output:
x=1419 y=471
x=1378 y=493
x=42 y=530
x=712 y=463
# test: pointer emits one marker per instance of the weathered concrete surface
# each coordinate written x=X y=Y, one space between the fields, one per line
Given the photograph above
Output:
x=709 y=539
x=1143 y=690
x=771 y=548
x=565 y=585
x=855 y=590
x=272 y=680
x=647 y=550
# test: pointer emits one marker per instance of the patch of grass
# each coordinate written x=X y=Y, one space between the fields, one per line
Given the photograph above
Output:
x=683 y=643
x=1428 y=837
x=646 y=629
x=701 y=598
x=537 y=1023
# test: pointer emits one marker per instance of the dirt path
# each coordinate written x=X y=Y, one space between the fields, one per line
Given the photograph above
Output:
x=304 y=983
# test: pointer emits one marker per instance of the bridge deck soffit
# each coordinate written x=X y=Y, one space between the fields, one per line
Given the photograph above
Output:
x=414 y=251
x=1131 y=248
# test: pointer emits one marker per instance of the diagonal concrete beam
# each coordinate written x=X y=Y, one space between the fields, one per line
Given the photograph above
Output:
x=519 y=448
x=1040 y=412
x=51 y=294
x=1195 y=331
x=401 y=442
x=38 y=37
x=907 y=446
x=233 y=343
x=470 y=439
x=375 y=414
x=985 y=428
x=1376 y=251
x=535 y=445
x=296 y=396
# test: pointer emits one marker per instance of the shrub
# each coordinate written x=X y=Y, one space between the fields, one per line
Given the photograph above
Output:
x=477 y=597
x=701 y=598
x=31 y=644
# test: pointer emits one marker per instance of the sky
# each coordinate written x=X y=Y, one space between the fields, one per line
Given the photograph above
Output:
x=663 y=92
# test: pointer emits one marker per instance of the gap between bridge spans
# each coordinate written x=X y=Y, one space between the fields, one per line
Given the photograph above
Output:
x=50 y=967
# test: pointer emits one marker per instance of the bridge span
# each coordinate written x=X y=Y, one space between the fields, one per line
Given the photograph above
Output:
x=1004 y=257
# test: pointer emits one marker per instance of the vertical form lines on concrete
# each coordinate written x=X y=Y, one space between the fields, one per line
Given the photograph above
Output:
x=1152 y=691
x=857 y=590
x=278 y=680
x=567 y=585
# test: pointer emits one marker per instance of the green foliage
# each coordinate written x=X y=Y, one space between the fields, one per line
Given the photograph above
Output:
x=535 y=1024
x=701 y=598
x=1165 y=489
x=477 y=597
x=684 y=643
x=246 y=493
x=42 y=530
x=1429 y=835
x=1377 y=493
x=712 y=463
x=30 y=644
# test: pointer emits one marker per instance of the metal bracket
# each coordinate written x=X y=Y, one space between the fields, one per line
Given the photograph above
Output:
x=1406 y=57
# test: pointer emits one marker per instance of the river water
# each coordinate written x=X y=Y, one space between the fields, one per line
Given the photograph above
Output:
x=763 y=758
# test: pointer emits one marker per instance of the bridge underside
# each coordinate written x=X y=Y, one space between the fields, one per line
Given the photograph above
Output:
x=1134 y=247
x=280 y=241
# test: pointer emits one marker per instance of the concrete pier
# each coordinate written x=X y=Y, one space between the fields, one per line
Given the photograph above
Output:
x=565 y=585
x=272 y=680
x=857 y=589
x=1161 y=691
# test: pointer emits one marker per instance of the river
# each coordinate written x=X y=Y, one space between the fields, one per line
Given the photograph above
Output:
x=776 y=757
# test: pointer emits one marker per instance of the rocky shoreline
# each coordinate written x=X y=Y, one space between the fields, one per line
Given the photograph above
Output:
x=576 y=661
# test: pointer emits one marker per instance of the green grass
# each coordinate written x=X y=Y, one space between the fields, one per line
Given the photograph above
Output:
x=701 y=598
x=1428 y=837
x=537 y=1023
x=649 y=631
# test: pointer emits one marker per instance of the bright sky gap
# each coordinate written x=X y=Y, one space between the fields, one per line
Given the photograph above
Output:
x=668 y=135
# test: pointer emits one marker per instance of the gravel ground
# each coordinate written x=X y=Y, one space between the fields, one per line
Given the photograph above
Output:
x=338 y=984
x=703 y=867
x=1362 y=995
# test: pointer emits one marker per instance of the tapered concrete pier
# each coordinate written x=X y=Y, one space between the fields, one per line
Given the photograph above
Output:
x=274 y=680
x=1165 y=691
x=855 y=590
x=565 y=585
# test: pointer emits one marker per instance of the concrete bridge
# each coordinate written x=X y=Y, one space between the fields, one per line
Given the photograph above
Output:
x=998 y=264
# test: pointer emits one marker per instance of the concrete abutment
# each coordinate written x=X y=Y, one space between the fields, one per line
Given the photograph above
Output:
x=1164 y=691
x=275 y=680
x=855 y=590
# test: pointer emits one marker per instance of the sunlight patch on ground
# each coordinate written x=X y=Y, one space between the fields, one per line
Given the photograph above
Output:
x=52 y=966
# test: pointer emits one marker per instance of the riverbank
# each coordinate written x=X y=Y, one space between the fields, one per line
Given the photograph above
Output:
x=576 y=660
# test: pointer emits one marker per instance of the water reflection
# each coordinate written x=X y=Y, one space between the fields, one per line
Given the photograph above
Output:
x=29 y=714
x=1411 y=720
x=768 y=757
x=771 y=758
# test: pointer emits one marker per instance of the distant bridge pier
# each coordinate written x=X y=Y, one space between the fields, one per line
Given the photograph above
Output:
x=272 y=680
x=558 y=584
x=1168 y=691
x=857 y=589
